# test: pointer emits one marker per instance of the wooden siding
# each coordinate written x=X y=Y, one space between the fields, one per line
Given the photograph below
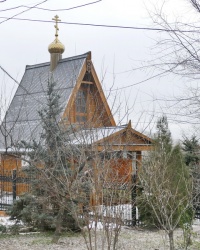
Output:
x=8 y=164
x=121 y=170
x=118 y=179
x=99 y=113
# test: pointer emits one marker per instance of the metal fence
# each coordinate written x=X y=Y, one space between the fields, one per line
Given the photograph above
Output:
x=197 y=215
x=12 y=184
x=113 y=214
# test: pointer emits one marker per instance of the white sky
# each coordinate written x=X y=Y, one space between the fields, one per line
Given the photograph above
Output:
x=115 y=52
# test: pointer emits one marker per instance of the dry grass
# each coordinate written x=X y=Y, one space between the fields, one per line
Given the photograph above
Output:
x=131 y=239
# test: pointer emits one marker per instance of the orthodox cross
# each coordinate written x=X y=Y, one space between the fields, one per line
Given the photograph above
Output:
x=56 y=26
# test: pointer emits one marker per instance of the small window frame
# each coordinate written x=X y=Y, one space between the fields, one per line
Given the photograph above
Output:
x=81 y=105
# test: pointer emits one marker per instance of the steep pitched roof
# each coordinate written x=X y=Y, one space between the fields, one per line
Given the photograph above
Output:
x=22 y=121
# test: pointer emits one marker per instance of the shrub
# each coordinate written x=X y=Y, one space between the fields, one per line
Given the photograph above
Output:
x=31 y=212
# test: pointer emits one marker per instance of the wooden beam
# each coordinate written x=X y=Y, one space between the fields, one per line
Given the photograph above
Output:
x=87 y=82
x=122 y=148
x=72 y=98
x=103 y=98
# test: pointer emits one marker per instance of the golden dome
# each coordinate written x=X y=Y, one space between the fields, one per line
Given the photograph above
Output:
x=56 y=47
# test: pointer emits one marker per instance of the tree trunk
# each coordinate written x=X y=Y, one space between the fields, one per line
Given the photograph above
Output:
x=171 y=239
x=57 y=233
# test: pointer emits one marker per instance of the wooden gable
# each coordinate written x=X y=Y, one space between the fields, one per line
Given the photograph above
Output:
x=87 y=103
x=126 y=139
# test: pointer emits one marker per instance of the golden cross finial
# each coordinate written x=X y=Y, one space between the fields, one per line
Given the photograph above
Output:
x=56 y=26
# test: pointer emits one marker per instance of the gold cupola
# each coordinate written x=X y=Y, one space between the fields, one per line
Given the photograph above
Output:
x=56 y=48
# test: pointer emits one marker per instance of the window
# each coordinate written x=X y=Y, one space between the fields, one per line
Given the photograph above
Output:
x=81 y=106
x=81 y=102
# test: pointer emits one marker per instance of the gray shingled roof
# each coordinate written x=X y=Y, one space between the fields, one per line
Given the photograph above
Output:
x=22 y=119
x=92 y=135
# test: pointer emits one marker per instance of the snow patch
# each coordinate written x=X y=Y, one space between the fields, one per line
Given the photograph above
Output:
x=123 y=211
x=5 y=221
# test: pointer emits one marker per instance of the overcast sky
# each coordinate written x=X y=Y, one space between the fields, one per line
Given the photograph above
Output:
x=115 y=51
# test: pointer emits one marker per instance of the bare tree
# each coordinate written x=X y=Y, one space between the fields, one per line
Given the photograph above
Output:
x=80 y=182
x=177 y=52
x=167 y=189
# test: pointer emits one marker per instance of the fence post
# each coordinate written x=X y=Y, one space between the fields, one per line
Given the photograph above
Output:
x=14 y=183
x=133 y=198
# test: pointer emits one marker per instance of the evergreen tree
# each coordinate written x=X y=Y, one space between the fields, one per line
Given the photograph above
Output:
x=55 y=184
x=191 y=149
x=192 y=160
x=163 y=140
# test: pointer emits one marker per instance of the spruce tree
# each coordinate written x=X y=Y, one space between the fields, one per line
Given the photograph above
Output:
x=192 y=160
x=191 y=149
x=50 y=169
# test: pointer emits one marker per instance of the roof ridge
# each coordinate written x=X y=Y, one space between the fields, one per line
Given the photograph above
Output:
x=60 y=61
x=109 y=127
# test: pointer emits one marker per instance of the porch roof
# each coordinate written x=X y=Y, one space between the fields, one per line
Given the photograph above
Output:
x=117 y=137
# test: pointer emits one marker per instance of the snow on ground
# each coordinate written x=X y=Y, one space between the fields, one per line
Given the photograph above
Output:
x=130 y=238
x=196 y=226
x=123 y=211
x=6 y=222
